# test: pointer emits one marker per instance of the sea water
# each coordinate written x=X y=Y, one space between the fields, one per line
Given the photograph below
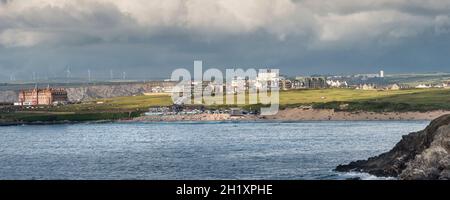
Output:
x=195 y=150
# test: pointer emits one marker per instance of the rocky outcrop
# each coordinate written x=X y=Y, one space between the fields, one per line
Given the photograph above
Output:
x=89 y=92
x=106 y=91
x=418 y=156
x=8 y=96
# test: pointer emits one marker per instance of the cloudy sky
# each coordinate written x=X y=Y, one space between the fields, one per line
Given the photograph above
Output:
x=150 y=38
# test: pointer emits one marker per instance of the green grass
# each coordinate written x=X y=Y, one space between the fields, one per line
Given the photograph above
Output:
x=330 y=95
x=382 y=101
x=339 y=99
x=109 y=109
x=118 y=104
x=73 y=117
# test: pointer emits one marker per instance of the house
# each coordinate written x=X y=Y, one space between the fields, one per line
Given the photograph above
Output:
x=312 y=82
x=366 y=87
x=285 y=84
x=423 y=86
x=267 y=79
x=337 y=83
x=442 y=85
x=446 y=85
x=393 y=87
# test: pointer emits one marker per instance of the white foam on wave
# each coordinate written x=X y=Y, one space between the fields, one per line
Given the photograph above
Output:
x=363 y=176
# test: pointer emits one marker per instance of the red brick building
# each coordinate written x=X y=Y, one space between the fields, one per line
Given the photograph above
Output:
x=42 y=96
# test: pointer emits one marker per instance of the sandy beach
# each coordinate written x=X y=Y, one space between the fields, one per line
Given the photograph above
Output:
x=299 y=114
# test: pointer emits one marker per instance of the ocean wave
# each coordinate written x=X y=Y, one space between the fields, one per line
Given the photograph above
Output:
x=362 y=176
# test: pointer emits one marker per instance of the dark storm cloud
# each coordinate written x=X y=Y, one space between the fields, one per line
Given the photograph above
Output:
x=151 y=38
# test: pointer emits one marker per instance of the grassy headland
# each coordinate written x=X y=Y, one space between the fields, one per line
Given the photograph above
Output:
x=339 y=99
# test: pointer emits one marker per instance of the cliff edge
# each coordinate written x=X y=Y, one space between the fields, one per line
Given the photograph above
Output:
x=418 y=156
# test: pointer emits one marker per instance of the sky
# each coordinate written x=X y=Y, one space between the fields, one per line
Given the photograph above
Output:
x=151 y=38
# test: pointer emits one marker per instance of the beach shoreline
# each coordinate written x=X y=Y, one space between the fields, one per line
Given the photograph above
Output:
x=299 y=114
x=285 y=115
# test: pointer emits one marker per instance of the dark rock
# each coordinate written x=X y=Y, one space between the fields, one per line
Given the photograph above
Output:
x=420 y=155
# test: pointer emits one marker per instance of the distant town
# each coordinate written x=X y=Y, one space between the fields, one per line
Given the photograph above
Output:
x=55 y=93
x=377 y=96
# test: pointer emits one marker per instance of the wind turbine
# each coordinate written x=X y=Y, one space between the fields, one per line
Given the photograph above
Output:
x=68 y=73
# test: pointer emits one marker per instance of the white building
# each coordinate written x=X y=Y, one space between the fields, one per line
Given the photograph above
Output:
x=366 y=87
x=423 y=86
x=337 y=83
x=237 y=85
x=268 y=79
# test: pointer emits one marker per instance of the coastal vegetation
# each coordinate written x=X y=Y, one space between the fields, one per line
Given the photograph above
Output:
x=392 y=101
x=338 y=99
x=101 y=109
x=367 y=100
